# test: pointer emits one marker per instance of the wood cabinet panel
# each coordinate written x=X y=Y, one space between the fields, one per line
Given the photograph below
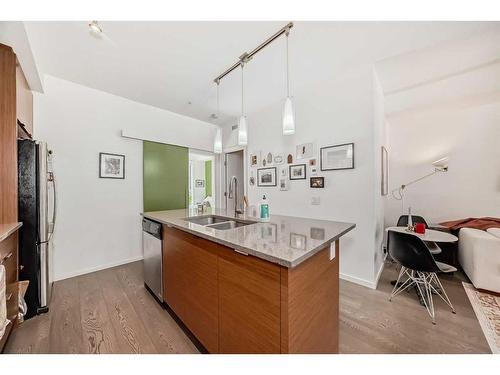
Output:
x=237 y=303
x=8 y=136
x=310 y=305
x=9 y=259
x=190 y=283
x=249 y=304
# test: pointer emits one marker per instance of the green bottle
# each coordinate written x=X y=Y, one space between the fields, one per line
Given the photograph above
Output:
x=264 y=209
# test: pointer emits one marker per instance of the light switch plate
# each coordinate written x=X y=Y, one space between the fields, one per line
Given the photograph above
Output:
x=332 y=251
x=315 y=201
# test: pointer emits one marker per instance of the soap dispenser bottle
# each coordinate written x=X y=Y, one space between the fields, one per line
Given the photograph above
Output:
x=264 y=209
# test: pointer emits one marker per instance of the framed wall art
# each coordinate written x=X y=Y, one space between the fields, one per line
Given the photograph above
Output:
x=337 y=157
x=111 y=166
x=266 y=176
x=317 y=182
x=284 y=184
x=254 y=159
x=297 y=172
x=304 y=151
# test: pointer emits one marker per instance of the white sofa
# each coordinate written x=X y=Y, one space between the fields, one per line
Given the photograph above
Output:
x=479 y=256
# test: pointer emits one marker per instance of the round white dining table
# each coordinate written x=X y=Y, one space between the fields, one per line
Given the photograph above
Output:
x=430 y=235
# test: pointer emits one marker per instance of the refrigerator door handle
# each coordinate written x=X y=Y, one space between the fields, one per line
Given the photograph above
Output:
x=54 y=204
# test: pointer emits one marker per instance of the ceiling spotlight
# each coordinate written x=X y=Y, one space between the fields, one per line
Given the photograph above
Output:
x=95 y=28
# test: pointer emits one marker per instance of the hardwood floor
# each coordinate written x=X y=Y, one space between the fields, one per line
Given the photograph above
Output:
x=107 y=311
x=110 y=311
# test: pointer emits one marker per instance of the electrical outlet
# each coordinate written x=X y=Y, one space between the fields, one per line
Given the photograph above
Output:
x=315 y=201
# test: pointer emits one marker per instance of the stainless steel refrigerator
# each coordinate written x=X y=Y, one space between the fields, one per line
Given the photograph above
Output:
x=37 y=212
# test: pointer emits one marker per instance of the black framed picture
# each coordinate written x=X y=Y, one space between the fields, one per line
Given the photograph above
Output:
x=317 y=182
x=266 y=176
x=337 y=157
x=111 y=166
x=297 y=172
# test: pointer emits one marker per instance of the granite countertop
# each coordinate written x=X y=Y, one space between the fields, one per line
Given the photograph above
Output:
x=7 y=229
x=285 y=240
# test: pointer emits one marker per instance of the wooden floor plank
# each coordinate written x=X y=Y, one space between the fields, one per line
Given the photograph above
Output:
x=66 y=324
x=111 y=311
x=129 y=330
x=164 y=332
x=31 y=337
x=97 y=330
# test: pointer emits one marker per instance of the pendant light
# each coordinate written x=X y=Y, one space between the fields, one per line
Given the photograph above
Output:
x=288 y=113
x=218 y=132
x=242 y=124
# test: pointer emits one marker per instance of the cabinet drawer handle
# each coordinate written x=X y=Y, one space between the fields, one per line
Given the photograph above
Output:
x=9 y=297
x=6 y=257
x=240 y=252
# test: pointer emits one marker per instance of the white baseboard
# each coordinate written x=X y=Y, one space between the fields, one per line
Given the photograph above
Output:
x=359 y=281
x=363 y=282
x=97 y=268
x=380 y=271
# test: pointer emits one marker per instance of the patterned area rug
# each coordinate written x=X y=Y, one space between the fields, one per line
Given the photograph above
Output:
x=487 y=309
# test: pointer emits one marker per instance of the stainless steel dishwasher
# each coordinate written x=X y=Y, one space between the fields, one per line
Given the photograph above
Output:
x=152 y=263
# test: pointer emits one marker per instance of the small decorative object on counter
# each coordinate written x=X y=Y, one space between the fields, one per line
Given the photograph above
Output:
x=410 y=220
x=420 y=228
x=264 y=209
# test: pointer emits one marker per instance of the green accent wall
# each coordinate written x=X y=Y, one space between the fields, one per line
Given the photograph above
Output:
x=165 y=176
x=208 y=178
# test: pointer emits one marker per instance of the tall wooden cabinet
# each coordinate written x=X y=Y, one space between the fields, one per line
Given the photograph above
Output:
x=8 y=136
x=8 y=186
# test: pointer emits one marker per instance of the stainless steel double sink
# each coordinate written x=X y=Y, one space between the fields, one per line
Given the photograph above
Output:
x=218 y=222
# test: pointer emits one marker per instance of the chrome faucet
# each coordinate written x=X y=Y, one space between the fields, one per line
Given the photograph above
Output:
x=233 y=191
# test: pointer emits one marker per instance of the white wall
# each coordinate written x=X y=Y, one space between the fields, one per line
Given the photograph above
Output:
x=98 y=220
x=467 y=131
x=379 y=140
x=337 y=110
x=445 y=100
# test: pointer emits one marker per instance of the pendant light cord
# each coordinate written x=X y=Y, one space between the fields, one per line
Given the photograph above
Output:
x=287 y=68
x=242 y=107
x=218 y=106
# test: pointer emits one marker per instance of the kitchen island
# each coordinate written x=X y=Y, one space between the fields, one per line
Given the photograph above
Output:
x=244 y=286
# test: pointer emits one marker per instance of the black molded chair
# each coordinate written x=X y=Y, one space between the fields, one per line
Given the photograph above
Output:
x=403 y=222
x=418 y=264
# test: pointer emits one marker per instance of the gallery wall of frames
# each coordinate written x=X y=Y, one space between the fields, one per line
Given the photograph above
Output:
x=306 y=162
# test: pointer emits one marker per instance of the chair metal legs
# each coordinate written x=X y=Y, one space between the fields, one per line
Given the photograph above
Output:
x=426 y=283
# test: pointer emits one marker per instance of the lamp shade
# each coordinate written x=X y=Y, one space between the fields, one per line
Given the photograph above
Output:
x=218 y=141
x=242 y=131
x=288 y=117
x=441 y=164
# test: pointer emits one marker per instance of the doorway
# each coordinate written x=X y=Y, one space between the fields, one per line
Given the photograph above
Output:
x=201 y=178
x=234 y=167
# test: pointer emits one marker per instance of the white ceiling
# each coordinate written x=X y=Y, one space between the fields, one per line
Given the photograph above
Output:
x=169 y=64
